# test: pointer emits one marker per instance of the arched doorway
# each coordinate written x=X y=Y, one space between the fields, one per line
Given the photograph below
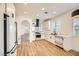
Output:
x=25 y=31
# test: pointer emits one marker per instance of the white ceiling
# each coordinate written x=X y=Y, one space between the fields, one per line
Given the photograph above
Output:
x=33 y=10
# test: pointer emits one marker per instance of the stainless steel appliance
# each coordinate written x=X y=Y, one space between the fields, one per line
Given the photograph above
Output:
x=10 y=34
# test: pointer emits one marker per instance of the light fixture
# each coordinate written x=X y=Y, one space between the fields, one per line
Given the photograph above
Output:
x=43 y=9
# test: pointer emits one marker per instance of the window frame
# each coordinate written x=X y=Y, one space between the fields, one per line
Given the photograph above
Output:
x=74 y=31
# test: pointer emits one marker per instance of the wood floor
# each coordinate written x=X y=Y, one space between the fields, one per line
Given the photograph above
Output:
x=40 y=48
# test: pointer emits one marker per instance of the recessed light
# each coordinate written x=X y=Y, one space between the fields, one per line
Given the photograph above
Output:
x=43 y=9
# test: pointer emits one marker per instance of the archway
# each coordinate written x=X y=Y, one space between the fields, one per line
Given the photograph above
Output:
x=25 y=31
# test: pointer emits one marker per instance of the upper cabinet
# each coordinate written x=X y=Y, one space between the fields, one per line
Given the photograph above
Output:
x=10 y=8
x=55 y=26
x=46 y=25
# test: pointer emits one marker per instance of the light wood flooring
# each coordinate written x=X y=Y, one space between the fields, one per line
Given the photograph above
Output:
x=41 y=48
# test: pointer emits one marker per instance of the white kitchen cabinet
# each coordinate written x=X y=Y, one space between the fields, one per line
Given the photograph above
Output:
x=2 y=10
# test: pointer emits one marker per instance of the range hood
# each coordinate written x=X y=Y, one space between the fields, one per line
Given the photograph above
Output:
x=75 y=13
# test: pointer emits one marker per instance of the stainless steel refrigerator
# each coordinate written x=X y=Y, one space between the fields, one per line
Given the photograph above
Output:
x=10 y=33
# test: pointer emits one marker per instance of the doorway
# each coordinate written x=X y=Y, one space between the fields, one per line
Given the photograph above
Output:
x=25 y=31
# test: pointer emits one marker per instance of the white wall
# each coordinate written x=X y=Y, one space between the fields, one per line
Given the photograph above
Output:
x=2 y=9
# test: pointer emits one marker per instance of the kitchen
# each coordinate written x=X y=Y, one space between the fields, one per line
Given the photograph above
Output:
x=41 y=21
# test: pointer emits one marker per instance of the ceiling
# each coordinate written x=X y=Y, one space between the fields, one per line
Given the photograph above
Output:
x=38 y=10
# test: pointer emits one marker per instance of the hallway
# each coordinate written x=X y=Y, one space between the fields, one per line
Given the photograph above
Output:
x=40 y=48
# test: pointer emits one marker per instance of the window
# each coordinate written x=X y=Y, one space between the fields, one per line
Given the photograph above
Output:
x=49 y=24
x=76 y=27
x=46 y=25
x=56 y=26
